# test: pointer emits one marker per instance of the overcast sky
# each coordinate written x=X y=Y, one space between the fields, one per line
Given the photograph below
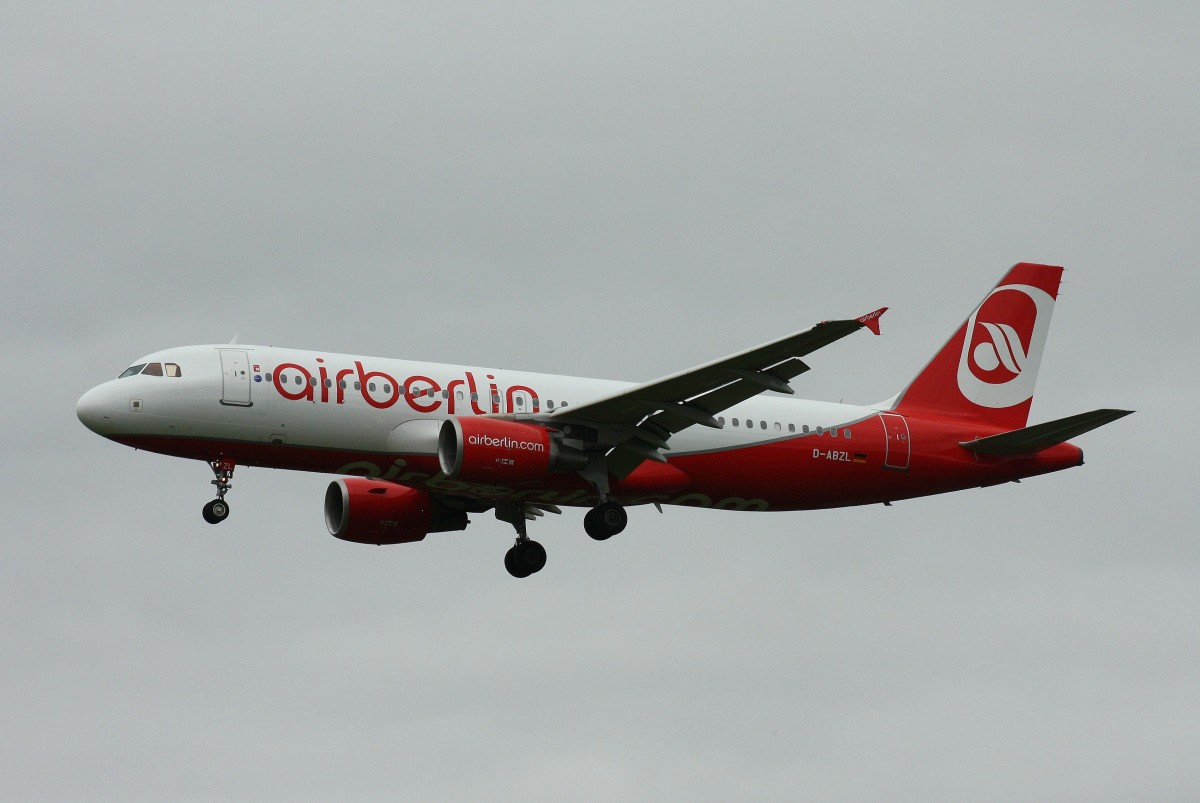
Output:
x=622 y=192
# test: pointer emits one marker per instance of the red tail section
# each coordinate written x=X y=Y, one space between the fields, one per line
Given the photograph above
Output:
x=987 y=370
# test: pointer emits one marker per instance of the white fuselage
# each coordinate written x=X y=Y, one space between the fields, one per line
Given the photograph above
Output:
x=356 y=404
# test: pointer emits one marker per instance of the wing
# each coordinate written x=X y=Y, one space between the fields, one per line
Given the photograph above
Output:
x=639 y=421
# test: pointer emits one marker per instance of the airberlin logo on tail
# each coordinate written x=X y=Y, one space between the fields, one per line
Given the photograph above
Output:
x=1003 y=349
x=1003 y=346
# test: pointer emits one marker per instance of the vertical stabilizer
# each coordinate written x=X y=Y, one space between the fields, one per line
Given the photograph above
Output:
x=987 y=369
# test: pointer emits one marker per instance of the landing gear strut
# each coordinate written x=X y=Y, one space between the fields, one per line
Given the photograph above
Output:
x=605 y=520
x=217 y=510
x=525 y=557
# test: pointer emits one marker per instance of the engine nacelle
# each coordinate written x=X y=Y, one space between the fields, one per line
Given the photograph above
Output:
x=490 y=450
x=376 y=512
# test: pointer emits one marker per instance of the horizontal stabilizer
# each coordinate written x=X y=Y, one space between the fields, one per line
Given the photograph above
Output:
x=1043 y=436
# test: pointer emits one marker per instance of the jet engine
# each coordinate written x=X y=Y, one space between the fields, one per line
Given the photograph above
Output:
x=376 y=512
x=489 y=450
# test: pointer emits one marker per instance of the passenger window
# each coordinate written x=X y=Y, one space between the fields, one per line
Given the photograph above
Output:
x=371 y=387
x=564 y=404
x=549 y=404
x=721 y=420
x=778 y=428
x=312 y=380
x=387 y=388
x=268 y=377
x=342 y=384
x=358 y=386
x=833 y=432
x=328 y=383
x=791 y=427
x=735 y=422
x=299 y=380
x=173 y=369
x=132 y=370
x=762 y=424
x=749 y=424
x=520 y=402
x=846 y=433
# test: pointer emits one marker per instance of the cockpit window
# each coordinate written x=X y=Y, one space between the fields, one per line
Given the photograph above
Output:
x=152 y=369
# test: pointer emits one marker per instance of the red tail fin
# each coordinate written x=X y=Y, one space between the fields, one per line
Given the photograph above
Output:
x=987 y=370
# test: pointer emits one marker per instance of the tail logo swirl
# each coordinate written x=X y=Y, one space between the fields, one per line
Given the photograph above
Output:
x=1003 y=346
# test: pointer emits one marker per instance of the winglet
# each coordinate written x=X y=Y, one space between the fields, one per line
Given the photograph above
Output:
x=871 y=319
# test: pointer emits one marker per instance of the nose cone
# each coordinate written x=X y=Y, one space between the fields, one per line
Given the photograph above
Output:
x=94 y=409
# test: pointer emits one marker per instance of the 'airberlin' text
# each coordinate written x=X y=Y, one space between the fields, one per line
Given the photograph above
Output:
x=382 y=391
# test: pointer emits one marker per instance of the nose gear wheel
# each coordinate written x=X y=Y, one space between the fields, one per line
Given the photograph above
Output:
x=216 y=511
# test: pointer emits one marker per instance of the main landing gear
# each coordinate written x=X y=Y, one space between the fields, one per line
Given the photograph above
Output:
x=605 y=520
x=217 y=510
x=525 y=557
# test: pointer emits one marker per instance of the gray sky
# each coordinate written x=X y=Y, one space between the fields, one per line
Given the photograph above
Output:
x=623 y=192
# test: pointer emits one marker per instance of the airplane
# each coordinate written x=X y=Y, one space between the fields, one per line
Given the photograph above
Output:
x=421 y=446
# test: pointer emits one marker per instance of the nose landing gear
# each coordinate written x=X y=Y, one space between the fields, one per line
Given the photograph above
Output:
x=217 y=510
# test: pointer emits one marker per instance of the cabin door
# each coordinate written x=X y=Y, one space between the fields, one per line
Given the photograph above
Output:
x=897 y=446
x=235 y=377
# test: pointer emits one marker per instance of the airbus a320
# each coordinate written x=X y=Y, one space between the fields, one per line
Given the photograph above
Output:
x=421 y=447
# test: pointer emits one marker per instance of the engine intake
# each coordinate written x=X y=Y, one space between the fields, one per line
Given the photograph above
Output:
x=488 y=450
